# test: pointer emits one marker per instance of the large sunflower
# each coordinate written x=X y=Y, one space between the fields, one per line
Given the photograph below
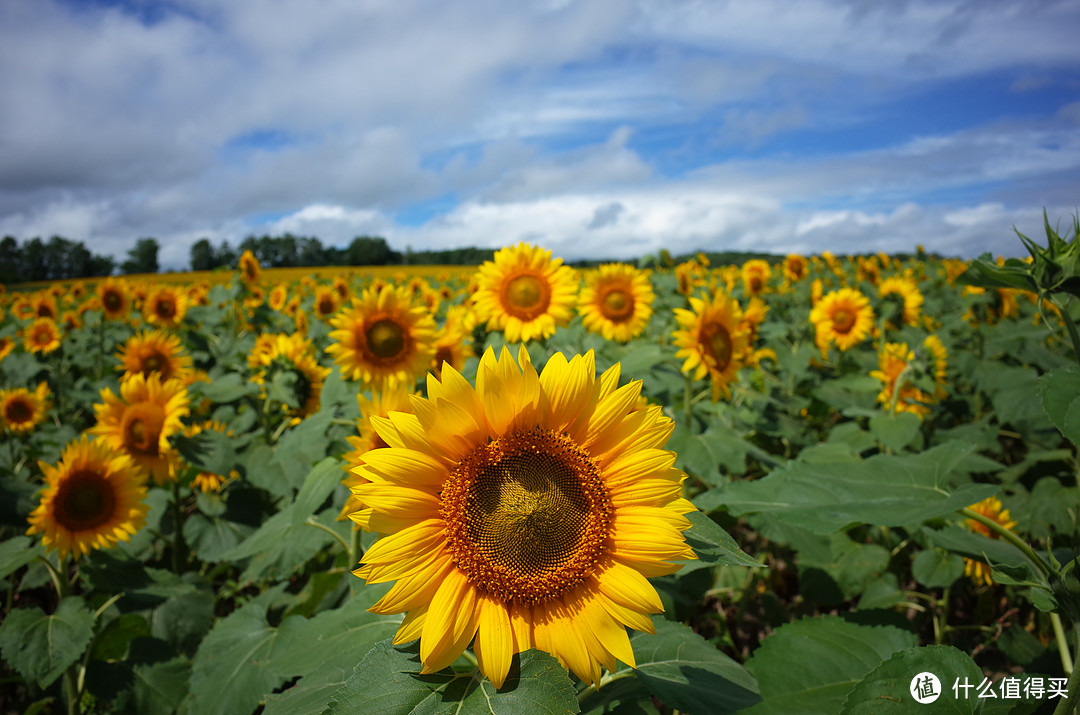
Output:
x=384 y=339
x=713 y=340
x=525 y=292
x=21 y=410
x=153 y=351
x=843 y=317
x=616 y=301
x=93 y=499
x=527 y=512
x=141 y=420
x=42 y=336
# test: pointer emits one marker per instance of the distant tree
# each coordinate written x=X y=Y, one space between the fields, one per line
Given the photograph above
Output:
x=310 y=252
x=225 y=255
x=10 y=259
x=34 y=264
x=202 y=256
x=368 y=251
x=142 y=258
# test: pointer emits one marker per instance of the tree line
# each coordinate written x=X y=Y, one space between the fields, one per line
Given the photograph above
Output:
x=60 y=258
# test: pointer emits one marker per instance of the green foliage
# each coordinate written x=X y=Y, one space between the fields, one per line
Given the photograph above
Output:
x=40 y=646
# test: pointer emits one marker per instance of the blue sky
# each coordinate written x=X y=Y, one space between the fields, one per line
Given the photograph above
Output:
x=597 y=128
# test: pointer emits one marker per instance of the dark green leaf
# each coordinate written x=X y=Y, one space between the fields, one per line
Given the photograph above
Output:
x=936 y=568
x=713 y=545
x=228 y=388
x=888 y=687
x=895 y=431
x=42 y=646
x=17 y=552
x=1060 y=393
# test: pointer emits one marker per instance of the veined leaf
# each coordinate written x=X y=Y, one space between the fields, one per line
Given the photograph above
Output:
x=1060 y=393
x=41 y=646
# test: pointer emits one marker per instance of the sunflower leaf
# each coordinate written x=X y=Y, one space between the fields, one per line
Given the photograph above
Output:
x=886 y=688
x=388 y=680
x=41 y=646
x=811 y=665
x=1060 y=393
x=713 y=545
x=17 y=552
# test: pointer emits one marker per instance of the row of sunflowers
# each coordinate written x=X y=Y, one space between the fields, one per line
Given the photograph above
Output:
x=528 y=486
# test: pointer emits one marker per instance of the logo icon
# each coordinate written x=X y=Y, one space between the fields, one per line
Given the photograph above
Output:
x=925 y=688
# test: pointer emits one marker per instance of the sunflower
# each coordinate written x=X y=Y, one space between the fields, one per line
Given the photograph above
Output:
x=526 y=512
x=755 y=276
x=843 y=317
x=525 y=293
x=21 y=410
x=295 y=356
x=795 y=268
x=7 y=344
x=939 y=363
x=712 y=340
x=327 y=302
x=977 y=571
x=209 y=481
x=451 y=348
x=114 y=298
x=93 y=499
x=893 y=361
x=141 y=420
x=165 y=307
x=905 y=295
x=279 y=294
x=42 y=336
x=384 y=339
x=45 y=306
x=616 y=301
x=249 y=268
x=70 y=320
x=153 y=351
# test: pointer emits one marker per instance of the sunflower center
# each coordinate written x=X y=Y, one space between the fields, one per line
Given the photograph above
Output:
x=385 y=338
x=165 y=308
x=617 y=305
x=18 y=411
x=527 y=515
x=716 y=340
x=85 y=500
x=153 y=362
x=326 y=305
x=112 y=301
x=843 y=320
x=526 y=296
x=756 y=284
x=141 y=427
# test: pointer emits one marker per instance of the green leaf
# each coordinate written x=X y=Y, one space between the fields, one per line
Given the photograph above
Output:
x=984 y=272
x=937 y=568
x=387 y=680
x=158 y=687
x=233 y=669
x=1060 y=393
x=884 y=490
x=42 y=646
x=713 y=545
x=228 y=388
x=810 y=666
x=887 y=688
x=210 y=451
x=842 y=571
x=895 y=431
x=703 y=454
x=17 y=552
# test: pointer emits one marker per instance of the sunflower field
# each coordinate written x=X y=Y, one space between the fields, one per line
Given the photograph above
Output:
x=816 y=484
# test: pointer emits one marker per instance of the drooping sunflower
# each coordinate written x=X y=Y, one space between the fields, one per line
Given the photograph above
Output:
x=384 y=339
x=140 y=421
x=842 y=317
x=755 y=276
x=977 y=571
x=712 y=340
x=906 y=296
x=616 y=301
x=42 y=336
x=527 y=512
x=525 y=292
x=153 y=351
x=21 y=410
x=293 y=355
x=93 y=499
x=249 y=268
x=165 y=307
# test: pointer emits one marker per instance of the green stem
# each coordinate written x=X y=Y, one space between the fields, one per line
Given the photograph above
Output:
x=1062 y=643
x=1072 y=692
x=328 y=530
x=178 y=536
x=1008 y=536
x=604 y=680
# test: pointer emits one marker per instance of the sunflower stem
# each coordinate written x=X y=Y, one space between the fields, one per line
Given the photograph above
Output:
x=1072 y=690
x=178 y=536
x=1062 y=643
x=1008 y=536
x=337 y=537
x=688 y=403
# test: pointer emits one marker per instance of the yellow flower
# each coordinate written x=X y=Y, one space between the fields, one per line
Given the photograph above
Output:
x=165 y=307
x=279 y=294
x=977 y=571
x=906 y=293
x=249 y=268
x=893 y=360
x=843 y=317
x=755 y=276
x=141 y=420
x=526 y=512
x=113 y=295
x=41 y=336
x=712 y=341
x=208 y=481
x=939 y=363
x=616 y=301
x=153 y=351
x=93 y=499
x=384 y=339
x=7 y=344
x=45 y=306
x=291 y=354
x=795 y=268
x=451 y=348
x=327 y=302
x=21 y=410
x=525 y=293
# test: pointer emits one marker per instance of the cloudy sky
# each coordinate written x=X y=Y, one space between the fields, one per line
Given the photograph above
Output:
x=597 y=128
